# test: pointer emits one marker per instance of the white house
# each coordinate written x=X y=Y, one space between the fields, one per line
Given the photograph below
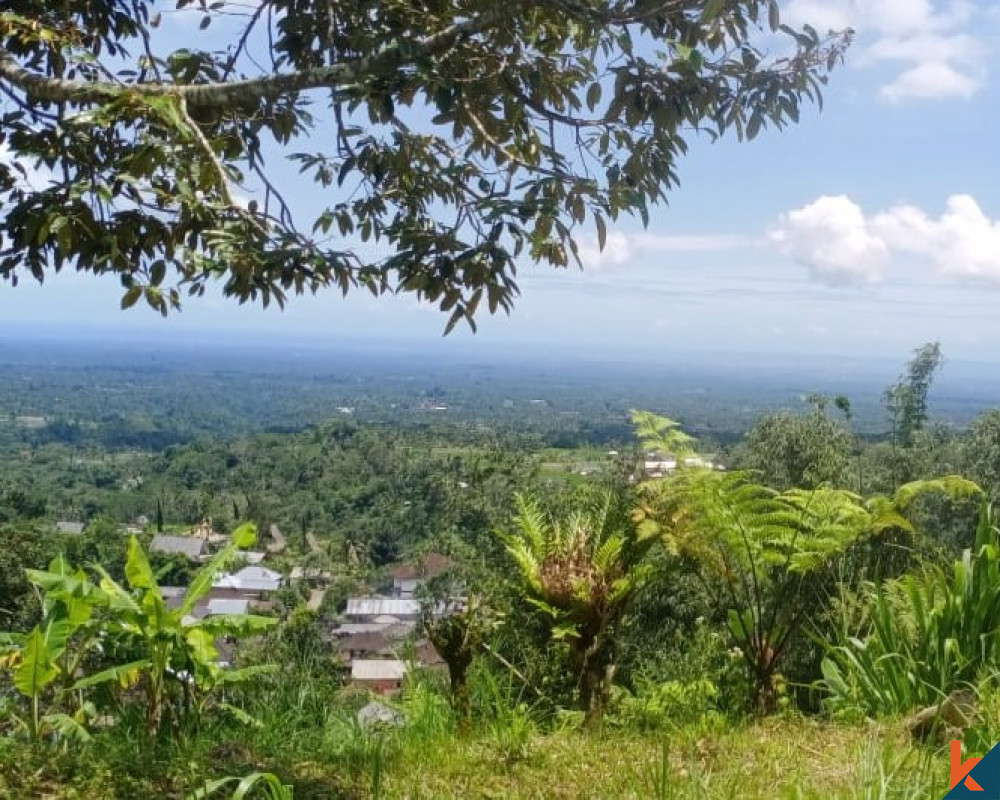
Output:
x=252 y=580
x=368 y=609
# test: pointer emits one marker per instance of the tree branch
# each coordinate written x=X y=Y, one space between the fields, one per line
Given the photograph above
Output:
x=238 y=93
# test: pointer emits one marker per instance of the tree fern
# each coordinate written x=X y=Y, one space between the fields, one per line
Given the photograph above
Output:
x=581 y=571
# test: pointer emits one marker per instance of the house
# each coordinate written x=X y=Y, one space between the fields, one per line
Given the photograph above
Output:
x=71 y=528
x=428 y=656
x=227 y=605
x=178 y=545
x=407 y=577
x=253 y=557
x=368 y=609
x=384 y=676
x=659 y=468
x=252 y=581
x=371 y=644
x=173 y=596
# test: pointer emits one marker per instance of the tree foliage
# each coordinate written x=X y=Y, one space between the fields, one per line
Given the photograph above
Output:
x=457 y=137
x=763 y=548
x=582 y=572
x=906 y=400
x=804 y=450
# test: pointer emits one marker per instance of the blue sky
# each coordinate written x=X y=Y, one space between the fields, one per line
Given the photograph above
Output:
x=869 y=228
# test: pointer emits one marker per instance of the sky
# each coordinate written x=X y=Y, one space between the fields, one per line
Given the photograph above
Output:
x=871 y=227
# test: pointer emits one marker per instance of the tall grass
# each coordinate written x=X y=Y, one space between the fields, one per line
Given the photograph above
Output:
x=930 y=634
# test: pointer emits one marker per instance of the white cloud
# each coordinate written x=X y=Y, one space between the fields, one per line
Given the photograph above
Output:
x=928 y=81
x=622 y=248
x=617 y=251
x=929 y=42
x=834 y=239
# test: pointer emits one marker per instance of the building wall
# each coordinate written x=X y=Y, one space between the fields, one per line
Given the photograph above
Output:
x=380 y=687
x=405 y=586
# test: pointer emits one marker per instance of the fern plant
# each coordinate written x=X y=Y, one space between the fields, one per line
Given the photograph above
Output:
x=582 y=572
x=762 y=549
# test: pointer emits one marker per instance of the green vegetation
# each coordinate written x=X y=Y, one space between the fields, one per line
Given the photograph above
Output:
x=765 y=628
x=443 y=110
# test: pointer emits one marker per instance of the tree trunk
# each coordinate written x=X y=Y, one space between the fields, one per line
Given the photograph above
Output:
x=458 y=677
x=592 y=658
x=765 y=698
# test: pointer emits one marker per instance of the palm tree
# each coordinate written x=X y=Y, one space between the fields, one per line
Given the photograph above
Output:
x=582 y=572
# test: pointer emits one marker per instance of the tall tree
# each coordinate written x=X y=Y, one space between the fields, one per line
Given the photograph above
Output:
x=459 y=136
x=906 y=400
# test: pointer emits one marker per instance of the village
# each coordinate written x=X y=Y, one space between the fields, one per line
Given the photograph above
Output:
x=377 y=637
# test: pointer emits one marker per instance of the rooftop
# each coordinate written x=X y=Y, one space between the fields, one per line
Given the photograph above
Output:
x=251 y=579
x=74 y=528
x=377 y=670
x=228 y=605
x=382 y=607
x=184 y=545
x=429 y=566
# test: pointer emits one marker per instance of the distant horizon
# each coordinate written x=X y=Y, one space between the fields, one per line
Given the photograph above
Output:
x=452 y=349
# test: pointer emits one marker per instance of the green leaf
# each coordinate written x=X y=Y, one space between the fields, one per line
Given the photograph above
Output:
x=36 y=670
x=137 y=570
x=602 y=231
x=245 y=536
x=124 y=674
x=773 y=15
x=67 y=728
x=131 y=297
x=593 y=95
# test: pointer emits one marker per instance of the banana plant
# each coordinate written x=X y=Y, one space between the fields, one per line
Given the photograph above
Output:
x=170 y=655
x=178 y=666
x=55 y=648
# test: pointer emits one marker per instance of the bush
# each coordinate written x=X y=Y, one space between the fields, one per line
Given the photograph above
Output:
x=665 y=705
x=929 y=635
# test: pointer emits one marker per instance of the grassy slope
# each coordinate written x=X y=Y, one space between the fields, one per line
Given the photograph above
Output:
x=776 y=758
x=772 y=759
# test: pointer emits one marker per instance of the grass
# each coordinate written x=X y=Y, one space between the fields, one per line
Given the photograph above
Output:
x=775 y=758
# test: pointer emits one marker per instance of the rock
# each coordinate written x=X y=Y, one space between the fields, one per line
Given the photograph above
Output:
x=376 y=715
x=947 y=719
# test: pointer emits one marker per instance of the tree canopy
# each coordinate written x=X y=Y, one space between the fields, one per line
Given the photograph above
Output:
x=448 y=141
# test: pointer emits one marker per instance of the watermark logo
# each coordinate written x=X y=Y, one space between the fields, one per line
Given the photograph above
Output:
x=974 y=777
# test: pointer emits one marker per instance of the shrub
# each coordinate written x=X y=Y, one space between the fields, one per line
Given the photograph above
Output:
x=930 y=634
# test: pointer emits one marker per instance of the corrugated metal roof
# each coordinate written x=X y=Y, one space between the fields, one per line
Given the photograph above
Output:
x=382 y=606
x=228 y=605
x=377 y=670
x=185 y=545
x=251 y=579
